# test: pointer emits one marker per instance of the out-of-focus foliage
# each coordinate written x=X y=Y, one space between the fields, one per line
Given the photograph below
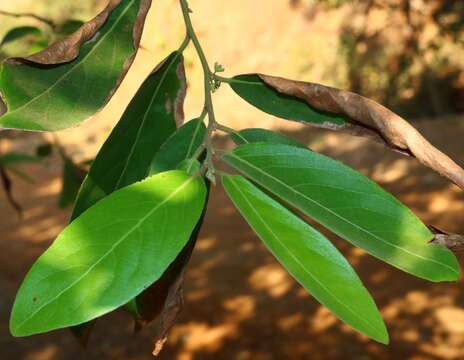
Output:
x=403 y=53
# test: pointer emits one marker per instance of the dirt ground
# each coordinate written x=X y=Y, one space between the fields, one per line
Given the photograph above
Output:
x=239 y=302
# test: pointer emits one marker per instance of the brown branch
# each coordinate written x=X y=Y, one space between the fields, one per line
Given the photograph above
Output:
x=454 y=242
x=46 y=21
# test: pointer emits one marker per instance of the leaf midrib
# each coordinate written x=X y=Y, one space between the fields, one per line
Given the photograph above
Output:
x=301 y=265
x=113 y=247
x=58 y=81
x=337 y=215
x=139 y=131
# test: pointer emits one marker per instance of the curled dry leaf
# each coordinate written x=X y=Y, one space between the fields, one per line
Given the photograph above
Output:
x=454 y=242
x=164 y=299
x=365 y=117
x=172 y=308
x=67 y=49
x=66 y=64
x=368 y=118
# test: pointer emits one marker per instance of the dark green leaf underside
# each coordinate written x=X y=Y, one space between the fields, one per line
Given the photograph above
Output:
x=20 y=33
x=128 y=152
x=253 y=90
x=181 y=146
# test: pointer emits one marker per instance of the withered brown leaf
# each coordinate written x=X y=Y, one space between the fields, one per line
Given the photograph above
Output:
x=369 y=118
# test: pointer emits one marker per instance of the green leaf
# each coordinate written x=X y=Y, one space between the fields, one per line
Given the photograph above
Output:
x=20 y=33
x=109 y=254
x=311 y=259
x=262 y=135
x=253 y=90
x=13 y=158
x=349 y=204
x=70 y=26
x=71 y=80
x=127 y=154
x=179 y=147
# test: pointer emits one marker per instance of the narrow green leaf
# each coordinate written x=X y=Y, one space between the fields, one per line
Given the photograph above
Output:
x=70 y=26
x=349 y=204
x=70 y=81
x=20 y=33
x=262 y=135
x=179 y=147
x=109 y=254
x=254 y=91
x=13 y=158
x=311 y=259
x=128 y=152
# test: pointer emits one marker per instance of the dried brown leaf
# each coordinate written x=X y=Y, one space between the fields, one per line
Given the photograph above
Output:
x=369 y=118
x=172 y=308
x=67 y=49
x=454 y=242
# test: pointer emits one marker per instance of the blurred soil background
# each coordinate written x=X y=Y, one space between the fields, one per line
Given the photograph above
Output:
x=239 y=302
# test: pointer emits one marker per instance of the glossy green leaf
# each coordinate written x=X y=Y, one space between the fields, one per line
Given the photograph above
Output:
x=253 y=90
x=53 y=92
x=109 y=254
x=179 y=147
x=20 y=33
x=262 y=135
x=349 y=204
x=311 y=259
x=128 y=152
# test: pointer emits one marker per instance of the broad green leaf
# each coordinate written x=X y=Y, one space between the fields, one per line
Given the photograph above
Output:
x=54 y=89
x=128 y=152
x=110 y=254
x=161 y=300
x=262 y=135
x=349 y=204
x=179 y=147
x=20 y=33
x=253 y=90
x=311 y=259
